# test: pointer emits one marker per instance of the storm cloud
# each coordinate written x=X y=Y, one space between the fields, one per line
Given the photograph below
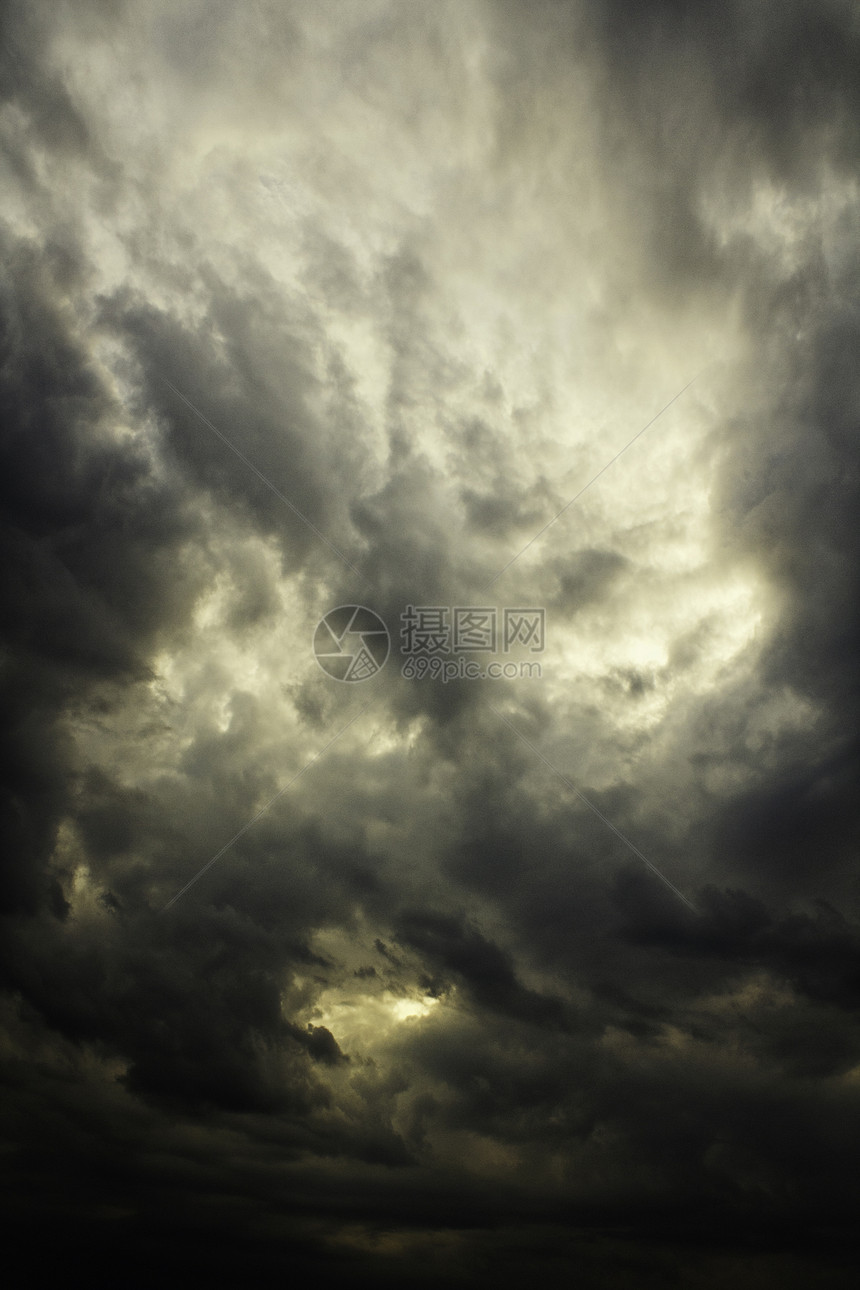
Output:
x=429 y=980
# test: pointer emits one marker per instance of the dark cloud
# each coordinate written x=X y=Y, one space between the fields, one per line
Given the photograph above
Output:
x=427 y=1020
x=486 y=969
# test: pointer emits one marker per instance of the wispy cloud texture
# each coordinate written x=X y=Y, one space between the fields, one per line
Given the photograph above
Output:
x=428 y=269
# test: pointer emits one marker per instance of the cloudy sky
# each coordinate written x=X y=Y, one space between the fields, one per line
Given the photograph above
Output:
x=311 y=304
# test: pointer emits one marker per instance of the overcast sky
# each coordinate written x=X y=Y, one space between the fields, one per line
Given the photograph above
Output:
x=334 y=302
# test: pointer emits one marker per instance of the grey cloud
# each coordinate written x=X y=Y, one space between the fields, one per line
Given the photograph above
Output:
x=428 y=1019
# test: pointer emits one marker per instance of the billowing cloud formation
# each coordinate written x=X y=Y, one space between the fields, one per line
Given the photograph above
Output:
x=317 y=305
